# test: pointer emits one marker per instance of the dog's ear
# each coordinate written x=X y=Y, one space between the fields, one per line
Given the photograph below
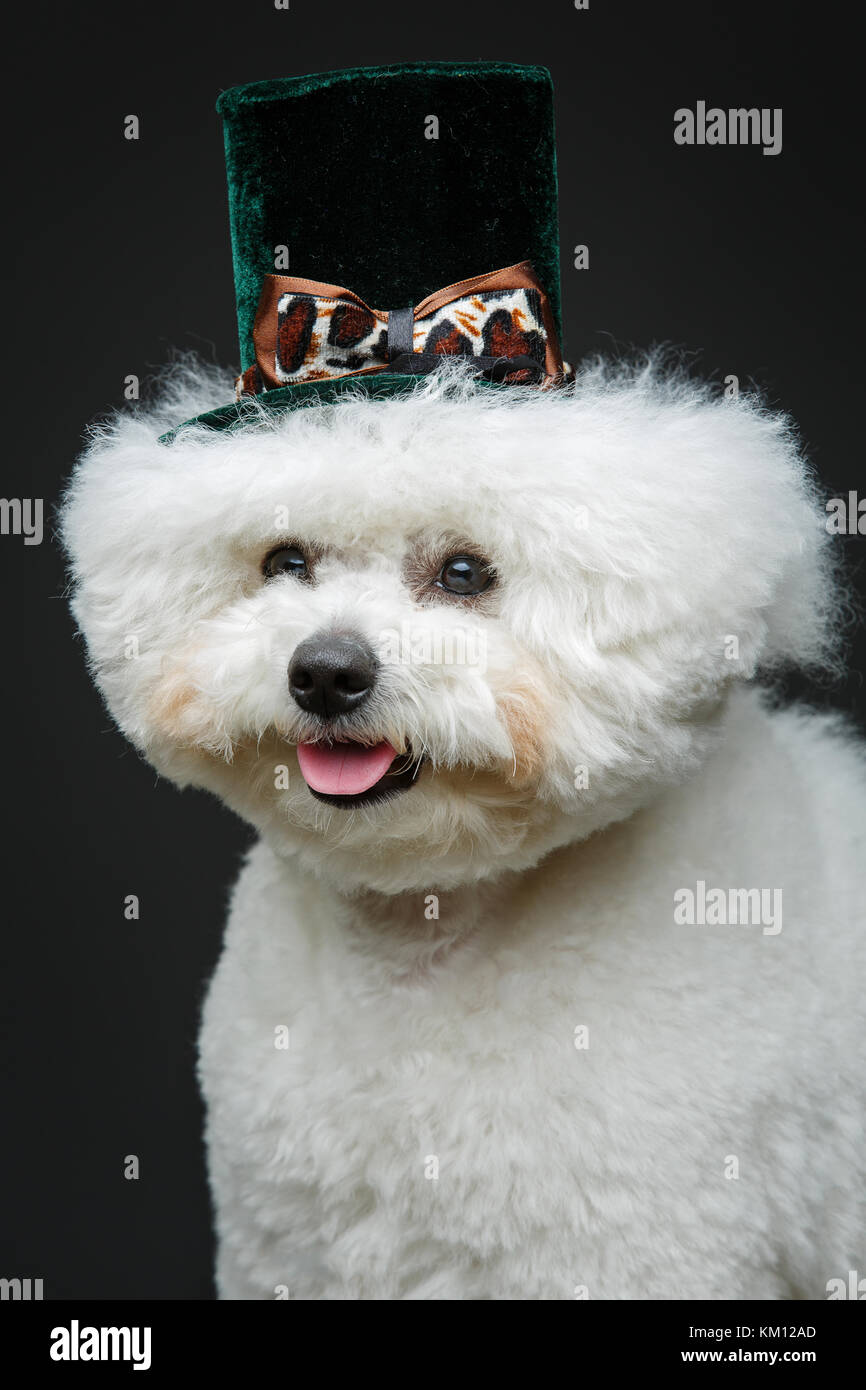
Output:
x=125 y=521
x=776 y=568
x=705 y=534
x=772 y=567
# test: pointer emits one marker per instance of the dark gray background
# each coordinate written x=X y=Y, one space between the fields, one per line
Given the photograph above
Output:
x=117 y=252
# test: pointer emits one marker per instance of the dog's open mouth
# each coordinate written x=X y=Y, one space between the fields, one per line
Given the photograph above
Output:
x=354 y=774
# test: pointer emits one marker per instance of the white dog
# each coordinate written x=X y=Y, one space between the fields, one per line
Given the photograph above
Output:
x=545 y=977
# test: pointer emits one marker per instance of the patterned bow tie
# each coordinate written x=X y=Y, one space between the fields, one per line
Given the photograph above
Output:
x=306 y=330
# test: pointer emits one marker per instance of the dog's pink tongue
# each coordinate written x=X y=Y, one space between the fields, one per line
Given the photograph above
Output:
x=344 y=769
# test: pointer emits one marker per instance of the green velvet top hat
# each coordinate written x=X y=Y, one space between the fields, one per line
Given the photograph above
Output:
x=383 y=217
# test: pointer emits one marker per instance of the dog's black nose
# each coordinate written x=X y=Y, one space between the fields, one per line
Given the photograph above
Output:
x=331 y=675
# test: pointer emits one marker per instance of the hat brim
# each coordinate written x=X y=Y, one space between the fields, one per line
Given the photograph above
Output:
x=250 y=409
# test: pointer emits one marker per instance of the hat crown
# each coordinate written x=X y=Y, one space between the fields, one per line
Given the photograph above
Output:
x=394 y=181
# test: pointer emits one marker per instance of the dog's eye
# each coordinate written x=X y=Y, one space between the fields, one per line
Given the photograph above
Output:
x=465 y=574
x=287 y=559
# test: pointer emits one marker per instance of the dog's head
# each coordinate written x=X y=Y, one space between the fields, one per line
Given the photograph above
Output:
x=420 y=641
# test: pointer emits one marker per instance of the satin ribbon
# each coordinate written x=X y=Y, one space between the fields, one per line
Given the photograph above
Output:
x=309 y=330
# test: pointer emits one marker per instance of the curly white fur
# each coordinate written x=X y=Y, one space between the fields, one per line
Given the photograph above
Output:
x=656 y=546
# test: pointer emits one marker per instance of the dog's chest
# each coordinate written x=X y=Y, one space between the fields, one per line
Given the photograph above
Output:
x=529 y=1079
x=451 y=1091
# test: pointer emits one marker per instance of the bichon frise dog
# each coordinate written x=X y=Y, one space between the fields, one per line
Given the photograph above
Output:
x=544 y=978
